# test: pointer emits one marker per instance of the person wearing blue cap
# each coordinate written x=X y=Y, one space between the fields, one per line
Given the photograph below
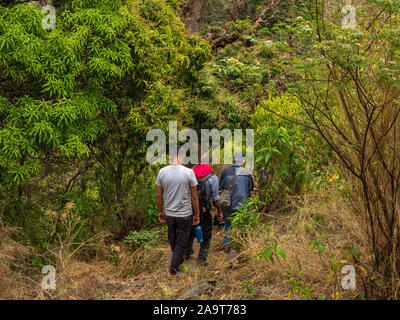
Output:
x=240 y=182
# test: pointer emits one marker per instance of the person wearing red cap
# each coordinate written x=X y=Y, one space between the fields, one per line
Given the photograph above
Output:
x=207 y=190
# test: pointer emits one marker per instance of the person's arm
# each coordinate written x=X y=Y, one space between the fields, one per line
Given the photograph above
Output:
x=217 y=204
x=252 y=185
x=195 y=205
x=161 y=214
x=215 y=196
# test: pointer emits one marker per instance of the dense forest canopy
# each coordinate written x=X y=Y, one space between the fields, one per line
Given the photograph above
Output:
x=108 y=73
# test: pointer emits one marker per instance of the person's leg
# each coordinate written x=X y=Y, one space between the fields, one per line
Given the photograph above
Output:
x=227 y=241
x=171 y=223
x=227 y=226
x=189 y=249
x=206 y=226
x=172 y=237
x=183 y=230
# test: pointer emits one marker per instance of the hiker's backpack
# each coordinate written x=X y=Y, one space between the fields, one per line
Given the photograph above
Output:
x=204 y=203
x=225 y=195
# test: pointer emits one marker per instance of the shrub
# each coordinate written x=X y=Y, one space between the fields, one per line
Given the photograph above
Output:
x=246 y=217
x=137 y=239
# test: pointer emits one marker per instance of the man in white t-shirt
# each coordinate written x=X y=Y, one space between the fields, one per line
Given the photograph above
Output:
x=178 y=184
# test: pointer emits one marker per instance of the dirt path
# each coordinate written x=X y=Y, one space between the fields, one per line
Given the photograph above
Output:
x=197 y=282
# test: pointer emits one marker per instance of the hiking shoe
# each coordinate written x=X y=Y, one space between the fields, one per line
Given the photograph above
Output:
x=202 y=263
x=227 y=249
x=177 y=276
x=188 y=255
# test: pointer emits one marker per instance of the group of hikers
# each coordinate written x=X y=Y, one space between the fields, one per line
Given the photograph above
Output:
x=187 y=195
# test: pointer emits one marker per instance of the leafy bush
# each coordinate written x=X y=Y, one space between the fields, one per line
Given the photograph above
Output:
x=288 y=151
x=246 y=217
x=137 y=239
x=284 y=147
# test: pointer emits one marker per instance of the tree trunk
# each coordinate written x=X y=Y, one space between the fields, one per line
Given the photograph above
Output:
x=191 y=13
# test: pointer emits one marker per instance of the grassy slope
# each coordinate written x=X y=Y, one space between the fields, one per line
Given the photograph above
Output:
x=142 y=275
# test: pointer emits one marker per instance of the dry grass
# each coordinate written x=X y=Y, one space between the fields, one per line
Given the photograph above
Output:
x=326 y=215
x=13 y=267
x=245 y=276
x=116 y=273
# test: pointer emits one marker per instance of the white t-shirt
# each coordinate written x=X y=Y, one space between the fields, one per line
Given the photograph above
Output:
x=176 y=181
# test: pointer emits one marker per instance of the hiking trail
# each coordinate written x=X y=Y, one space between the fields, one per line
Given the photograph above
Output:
x=198 y=282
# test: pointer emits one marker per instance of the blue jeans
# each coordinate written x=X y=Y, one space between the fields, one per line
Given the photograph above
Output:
x=227 y=241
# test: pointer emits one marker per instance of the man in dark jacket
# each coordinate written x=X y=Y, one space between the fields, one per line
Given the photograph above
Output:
x=240 y=191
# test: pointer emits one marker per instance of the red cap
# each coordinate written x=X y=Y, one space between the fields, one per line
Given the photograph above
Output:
x=202 y=170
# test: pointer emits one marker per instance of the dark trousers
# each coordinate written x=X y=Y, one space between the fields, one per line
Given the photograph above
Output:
x=179 y=232
x=206 y=224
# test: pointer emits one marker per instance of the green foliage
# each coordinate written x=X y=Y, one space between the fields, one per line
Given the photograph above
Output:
x=141 y=204
x=342 y=77
x=248 y=289
x=152 y=210
x=271 y=253
x=184 y=267
x=282 y=146
x=77 y=102
x=333 y=267
x=238 y=73
x=317 y=244
x=218 y=13
x=286 y=154
x=299 y=287
x=351 y=252
x=246 y=217
x=114 y=257
x=137 y=239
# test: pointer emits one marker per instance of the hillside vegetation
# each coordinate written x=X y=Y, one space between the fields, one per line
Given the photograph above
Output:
x=76 y=104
